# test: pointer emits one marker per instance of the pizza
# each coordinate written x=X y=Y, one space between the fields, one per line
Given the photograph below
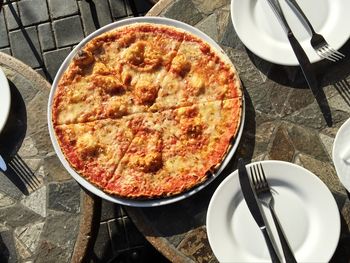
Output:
x=147 y=111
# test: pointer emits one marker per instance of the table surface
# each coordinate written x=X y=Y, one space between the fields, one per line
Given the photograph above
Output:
x=44 y=214
x=283 y=122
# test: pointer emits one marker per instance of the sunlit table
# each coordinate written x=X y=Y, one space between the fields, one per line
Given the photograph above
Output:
x=283 y=122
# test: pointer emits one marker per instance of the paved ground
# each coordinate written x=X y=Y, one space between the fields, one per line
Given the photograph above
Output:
x=41 y=33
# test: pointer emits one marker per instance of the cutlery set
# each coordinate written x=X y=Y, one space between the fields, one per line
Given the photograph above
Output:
x=257 y=189
x=317 y=41
x=320 y=45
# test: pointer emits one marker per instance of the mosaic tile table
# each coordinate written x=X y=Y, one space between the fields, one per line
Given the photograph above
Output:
x=49 y=219
x=283 y=122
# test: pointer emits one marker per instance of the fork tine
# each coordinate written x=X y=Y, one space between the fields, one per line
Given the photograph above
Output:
x=322 y=52
x=336 y=52
x=332 y=52
x=263 y=175
x=252 y=174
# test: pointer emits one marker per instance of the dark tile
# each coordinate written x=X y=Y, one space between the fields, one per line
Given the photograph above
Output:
x=33 y=11
x=55 y=169
x=102 y=251
x=134 y=236
x=16 y=216
x=64 y=197
x=110 y=211
x=307 y=141
x=144 y=254
x=118 y=8
x=53 y=60
x=25 y=46
x=61 y=229
x=60 y=8
x=46 y=37
x=282 y=147
x=185 y=11
x=7 y=247
x=68 y=31
x=118 y=234
x=4 y=41
x=142 y=6
x=130 y=8
x=94 y=15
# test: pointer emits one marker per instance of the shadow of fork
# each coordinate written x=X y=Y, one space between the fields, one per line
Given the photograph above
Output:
x=343 y=87
x=21 y=176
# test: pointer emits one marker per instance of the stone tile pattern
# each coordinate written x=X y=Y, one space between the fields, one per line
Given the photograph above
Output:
x=39 y=221
x=281 y=123
x=39 y=32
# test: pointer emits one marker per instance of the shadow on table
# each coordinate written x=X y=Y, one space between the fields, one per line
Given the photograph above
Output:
x=11 y=139
x=342 y=253
x=176 y=219
x=4 y=251
x=327 y=73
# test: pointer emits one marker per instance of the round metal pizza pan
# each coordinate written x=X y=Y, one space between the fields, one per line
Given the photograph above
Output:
x=84 y=183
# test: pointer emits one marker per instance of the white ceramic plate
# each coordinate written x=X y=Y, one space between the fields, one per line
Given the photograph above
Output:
x=341 y=154
x=91 y=187
x=305 y=207
x=5 y=99
x=260 y=31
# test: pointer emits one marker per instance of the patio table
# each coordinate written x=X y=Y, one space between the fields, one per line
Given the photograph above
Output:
x=44 y=214
x=283 y=122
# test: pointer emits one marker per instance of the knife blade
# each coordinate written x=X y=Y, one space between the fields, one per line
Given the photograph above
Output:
x=252 y=203
x=299 y=52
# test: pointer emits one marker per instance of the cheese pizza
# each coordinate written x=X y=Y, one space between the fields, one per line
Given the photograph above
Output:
x=147 y=111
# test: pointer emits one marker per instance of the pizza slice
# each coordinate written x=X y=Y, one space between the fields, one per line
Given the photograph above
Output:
x=200 y=137
x=175 y=149
x=197 y=74
x=116 y=74
x=94 y=149
x=145 y=55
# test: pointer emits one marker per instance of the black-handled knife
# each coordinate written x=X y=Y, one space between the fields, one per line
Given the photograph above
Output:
x=300 y=54
x=254 y=208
